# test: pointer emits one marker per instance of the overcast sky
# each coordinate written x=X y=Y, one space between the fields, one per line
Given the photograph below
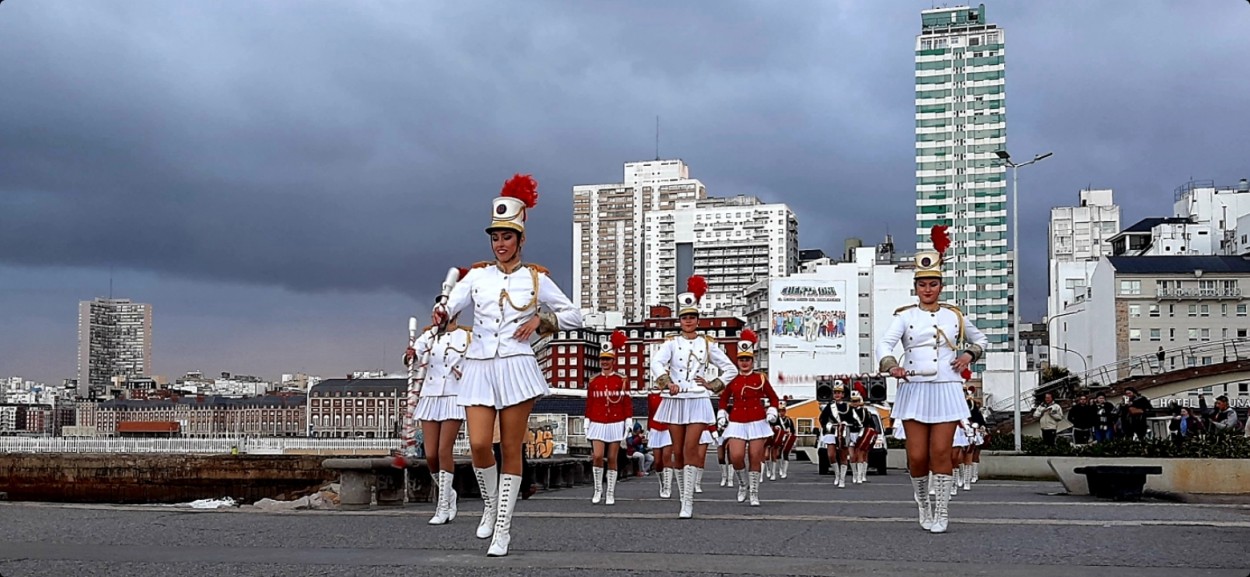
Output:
x=285 y=182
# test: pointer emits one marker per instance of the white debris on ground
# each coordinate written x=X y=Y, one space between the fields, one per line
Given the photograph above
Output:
x=213 y=503
x=325 y=498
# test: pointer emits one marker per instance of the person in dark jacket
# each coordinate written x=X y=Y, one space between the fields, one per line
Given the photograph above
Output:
x=1104 y=428
x=1133 y=413
x=1084 y=417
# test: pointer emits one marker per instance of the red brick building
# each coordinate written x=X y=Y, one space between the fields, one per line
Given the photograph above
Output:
x=571 y=358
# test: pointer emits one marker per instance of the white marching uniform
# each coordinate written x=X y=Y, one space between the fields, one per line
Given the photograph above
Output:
x=931 y=342
x=442 y=377
x=682 y=360
x=499 y=370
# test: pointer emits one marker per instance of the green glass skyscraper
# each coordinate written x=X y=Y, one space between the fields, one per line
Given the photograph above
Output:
x=960 y=122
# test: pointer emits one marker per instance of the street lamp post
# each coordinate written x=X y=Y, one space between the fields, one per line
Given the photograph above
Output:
x=1015 y=278
x=1065 y=349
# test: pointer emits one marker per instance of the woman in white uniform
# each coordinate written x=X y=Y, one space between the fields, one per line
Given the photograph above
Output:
x=939 y=342
x=437 y=410
x=501 y=379
x=681 y=367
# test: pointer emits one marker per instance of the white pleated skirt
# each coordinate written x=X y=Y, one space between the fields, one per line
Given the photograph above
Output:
x=930 y=402
x=676 y=411
x=435 y=409
x=961 y=438
x=606 y=432
x=500 y=382
x=749 y=431
x=851 y=439
x=899 y=432
x=706 y=438
x=658 y=439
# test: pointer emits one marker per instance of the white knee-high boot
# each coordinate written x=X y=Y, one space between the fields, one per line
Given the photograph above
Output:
x=598 y=473
x=688 y=477
x=785 y=468
x=698 y=480
x=610 y=497
x=755 y=489
x=446 y=510
x=488 y=484
x=945 y=484
x=509 y=489
x=666 y=483
x=921 y=487
x=742 y=486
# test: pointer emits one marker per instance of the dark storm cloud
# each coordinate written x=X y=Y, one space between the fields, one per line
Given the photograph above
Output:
x=323 y=147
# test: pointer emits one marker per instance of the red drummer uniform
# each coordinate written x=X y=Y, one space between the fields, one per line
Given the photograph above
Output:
x=749 y=393
x=653 y=403
x=606 y=401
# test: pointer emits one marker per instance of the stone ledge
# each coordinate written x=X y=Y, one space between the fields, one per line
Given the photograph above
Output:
x=1179 y=476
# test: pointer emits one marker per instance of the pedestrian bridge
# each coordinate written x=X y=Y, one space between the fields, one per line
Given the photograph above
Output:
x=1155 y=376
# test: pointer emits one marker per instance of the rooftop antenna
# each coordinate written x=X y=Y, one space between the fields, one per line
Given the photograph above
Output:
x=657 y=137
x=110 y=269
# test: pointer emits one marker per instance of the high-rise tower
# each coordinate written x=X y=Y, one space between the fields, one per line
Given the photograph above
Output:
x=960 y=122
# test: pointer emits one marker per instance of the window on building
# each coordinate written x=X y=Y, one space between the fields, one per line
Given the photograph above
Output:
x=1130 y=287
x=1193 y=310
x=1206 y=360
x=1134 y=311
x=1204 y=310
x=1156 y=334
x=1134 y=334
x=1193 y=334
x=1154 y=310
x=1205 y=334
x=1241 y=333
x=1241 y=310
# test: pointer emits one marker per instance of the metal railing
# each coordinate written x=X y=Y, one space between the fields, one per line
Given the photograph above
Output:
x=1139 y=366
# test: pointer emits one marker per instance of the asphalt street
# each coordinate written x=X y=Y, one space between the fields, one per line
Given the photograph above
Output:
x=806 y=526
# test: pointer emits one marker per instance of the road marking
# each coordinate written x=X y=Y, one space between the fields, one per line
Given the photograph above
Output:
x=955 y=501
x=910 y=520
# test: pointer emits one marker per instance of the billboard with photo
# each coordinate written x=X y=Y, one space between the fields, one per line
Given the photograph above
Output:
x=813 y=330
x=548 y=435
x=808 y=316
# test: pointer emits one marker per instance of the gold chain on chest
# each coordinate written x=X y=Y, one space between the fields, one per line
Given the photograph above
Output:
x=505 y=297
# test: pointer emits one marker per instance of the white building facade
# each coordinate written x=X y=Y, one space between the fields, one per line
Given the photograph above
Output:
x=114 y=340
x=608 y=270
x=731 y=242
x=862 y=294
x=1137 y=306
x=960 y=123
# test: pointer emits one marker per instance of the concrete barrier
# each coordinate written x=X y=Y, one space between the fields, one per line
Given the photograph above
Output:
x=994 y=465
x=1180 y=476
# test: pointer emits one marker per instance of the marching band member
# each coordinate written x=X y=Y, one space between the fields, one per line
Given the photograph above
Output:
x=437 y=410
x=501 y=379
x=722 y=457
x=747 y=428
x=608 y=408
x=858 y=426
x=835 y=420
x=939 y=343
x=661 y=445
x=976 y=437
x=681 y=366
x=789 y=436
x=705 y=440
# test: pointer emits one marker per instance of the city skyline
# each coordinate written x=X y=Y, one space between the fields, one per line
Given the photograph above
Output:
x=266 y=179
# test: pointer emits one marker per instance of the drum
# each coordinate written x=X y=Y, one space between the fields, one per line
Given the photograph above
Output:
x=866 y=439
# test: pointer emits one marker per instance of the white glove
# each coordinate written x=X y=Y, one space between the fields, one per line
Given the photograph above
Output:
x=829 y=428
x=585 y=423
x=772 y=415
x=722 y=418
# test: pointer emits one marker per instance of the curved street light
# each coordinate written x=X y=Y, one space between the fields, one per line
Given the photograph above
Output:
x=1015 y=277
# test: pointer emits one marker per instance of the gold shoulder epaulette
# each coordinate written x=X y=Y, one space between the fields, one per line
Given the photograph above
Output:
x=540 y=268
x=426 y=329
x=482 y=264
x=901 y=309
x=951 y=307
x=669 y=338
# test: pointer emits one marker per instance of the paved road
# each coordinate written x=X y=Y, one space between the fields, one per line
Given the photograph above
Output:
x=805 y=527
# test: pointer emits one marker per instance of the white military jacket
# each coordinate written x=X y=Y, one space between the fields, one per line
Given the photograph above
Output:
x=446 y=351
x=502 y=302
x=931 y=342
x=684 y=359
